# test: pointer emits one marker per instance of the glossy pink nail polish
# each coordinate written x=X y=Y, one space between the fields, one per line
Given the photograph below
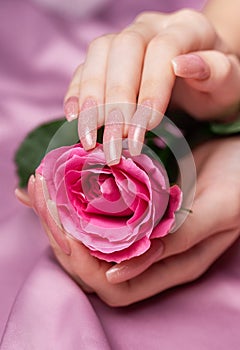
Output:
x=112 y=138
x=87 y=124
x=190 y=66
x=71 y=108
x=137 y=128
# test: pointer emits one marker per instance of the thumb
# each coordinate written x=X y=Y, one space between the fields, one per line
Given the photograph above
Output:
x=210 y=85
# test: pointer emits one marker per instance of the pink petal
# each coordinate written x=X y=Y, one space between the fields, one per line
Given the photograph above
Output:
x=136 y=249
x=165 y=225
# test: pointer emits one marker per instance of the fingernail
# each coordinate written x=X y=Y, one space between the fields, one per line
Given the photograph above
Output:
x=120 y=273
x=56 y=228
x=31 y=191
x=112 y=138
x=137 y=129
x=116 y=273
x=190 y=66
x=23 y=197
x=71 y=108
x=87 y=124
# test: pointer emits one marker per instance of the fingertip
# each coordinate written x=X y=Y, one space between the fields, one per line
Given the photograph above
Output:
x=87 y=123
x=23 y=197
x=112 y=137
x=56 y=229
x=134 y=145
x=71 y=108
x=89 y=140
x=113 y=162
x=116 y=274
x=137 y=128
x=190 y=66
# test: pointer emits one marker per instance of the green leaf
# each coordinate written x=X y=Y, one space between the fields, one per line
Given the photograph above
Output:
x=226 y=129
x=40 y=141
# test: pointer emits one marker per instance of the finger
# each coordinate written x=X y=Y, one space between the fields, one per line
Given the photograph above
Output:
x=203 y=222
x=129 y=269
x=71 y=100
x=65 y=260
x=23 y=196
x=186 y=31
x=92 y=91
x=31 y=189
x=220 y=88
x=177 y=270
x=183 y=32
x=160 y=276
x=184 y=268
x=195 y=228
x=47 y=210
x=87 y=270
x=191 y=66
x=122 y=85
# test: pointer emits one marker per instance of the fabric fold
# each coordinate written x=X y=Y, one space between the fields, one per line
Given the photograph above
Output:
x=52 y=312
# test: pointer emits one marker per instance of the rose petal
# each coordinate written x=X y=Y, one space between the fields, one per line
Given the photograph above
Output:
x=165 y=225
x=136 y=249
x=112 y=210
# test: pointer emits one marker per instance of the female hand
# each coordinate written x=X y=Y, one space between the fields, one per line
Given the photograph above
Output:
x=129 y=78
x=206 y=233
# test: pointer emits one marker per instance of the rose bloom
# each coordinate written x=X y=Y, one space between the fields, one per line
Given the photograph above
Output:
x=116 y=210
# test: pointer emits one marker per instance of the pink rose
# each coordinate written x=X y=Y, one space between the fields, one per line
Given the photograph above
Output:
x=114 y=211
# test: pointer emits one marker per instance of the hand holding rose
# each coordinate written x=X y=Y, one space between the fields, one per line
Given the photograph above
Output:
x=206 y=234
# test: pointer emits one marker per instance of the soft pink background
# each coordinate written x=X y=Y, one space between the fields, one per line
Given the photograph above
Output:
x=40 y=306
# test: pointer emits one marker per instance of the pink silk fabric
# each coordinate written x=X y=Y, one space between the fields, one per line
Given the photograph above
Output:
x=40 y=306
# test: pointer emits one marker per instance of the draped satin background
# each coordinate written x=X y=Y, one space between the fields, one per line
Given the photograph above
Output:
x=40 y=306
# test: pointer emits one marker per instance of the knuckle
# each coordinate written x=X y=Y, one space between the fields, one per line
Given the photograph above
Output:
x=144 y=16
x=195 y=270
x=129 y=37
x=115 y=299
x=120 y=90
x=100 y=43
x=193 y=17
x=189 y=14
x=162 y=41
x=78 y=69
x=119 y=295
x=193 y=273
x=150 y=87
x=90 y=82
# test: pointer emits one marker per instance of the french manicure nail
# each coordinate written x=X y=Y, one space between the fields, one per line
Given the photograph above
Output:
x=137 y=129
x=56 y=228
x=23 y=197
x=120 y=273
x=112 y=138
x=116 y=273
x=71 y=108
x=87 y=124
x=190 y=66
